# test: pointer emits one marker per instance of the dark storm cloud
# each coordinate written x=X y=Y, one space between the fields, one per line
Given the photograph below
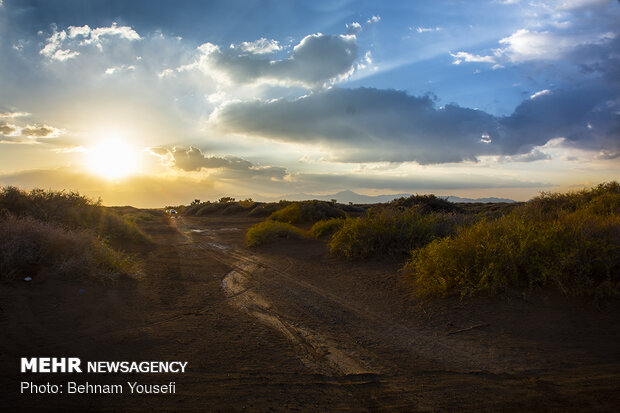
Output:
x=586 y=117
x=193 y=159
x=371 y=125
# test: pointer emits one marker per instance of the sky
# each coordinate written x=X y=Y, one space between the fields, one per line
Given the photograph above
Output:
x=152 y=103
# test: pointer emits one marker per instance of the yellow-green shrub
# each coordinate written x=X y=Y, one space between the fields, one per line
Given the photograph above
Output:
x=326 y=227
x=570 y=242
x=271 y=231
x=389 y=231
x=307 y=211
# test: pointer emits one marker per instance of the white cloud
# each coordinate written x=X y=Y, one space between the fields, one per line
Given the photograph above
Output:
x=54 y=46
x=123 y=32
x=75 y=31
x=54 y=42
x=373 y=19
x=354 y=28
x=62 y=55
x=461 y=57
x=427 y=29
x=260 y=46
x=13 y=114
x=526 y=45
x=540 y=93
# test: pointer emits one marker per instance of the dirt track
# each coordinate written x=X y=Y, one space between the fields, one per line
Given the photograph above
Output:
x=289 y=328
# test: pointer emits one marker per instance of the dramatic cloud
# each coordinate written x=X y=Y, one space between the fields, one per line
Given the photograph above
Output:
x=371 y=125
x=193 y=159
x=586 y=117
x=318 y=59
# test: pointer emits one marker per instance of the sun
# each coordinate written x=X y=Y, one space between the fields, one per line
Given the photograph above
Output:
x=113 y=159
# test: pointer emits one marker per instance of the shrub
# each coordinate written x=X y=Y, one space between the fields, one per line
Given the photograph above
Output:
x=307 y=211
x=326 y=227
x=271 y=231
x=70 y=210
x=193 y=208
x=386 y=231
x=425 y=203
x=236 y=208
x=261 y=211
x=29 y=247
x=208 y=209
x=602 y=199
x=570 y=242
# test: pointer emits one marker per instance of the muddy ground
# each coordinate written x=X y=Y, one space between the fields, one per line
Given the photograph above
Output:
x=289 y=328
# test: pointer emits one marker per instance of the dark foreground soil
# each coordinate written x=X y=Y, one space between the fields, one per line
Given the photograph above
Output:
x=288 y=328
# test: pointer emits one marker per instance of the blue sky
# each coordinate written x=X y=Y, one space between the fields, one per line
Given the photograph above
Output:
x=152 y=102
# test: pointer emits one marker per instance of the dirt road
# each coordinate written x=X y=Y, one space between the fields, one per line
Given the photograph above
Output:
x=288 y=328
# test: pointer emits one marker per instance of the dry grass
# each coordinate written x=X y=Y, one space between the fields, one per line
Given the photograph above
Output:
x=30 y=247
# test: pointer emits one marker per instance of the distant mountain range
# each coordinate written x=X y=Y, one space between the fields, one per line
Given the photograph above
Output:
x=349 y=196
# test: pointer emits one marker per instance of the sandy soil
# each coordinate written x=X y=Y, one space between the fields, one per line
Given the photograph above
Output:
x=288 y=328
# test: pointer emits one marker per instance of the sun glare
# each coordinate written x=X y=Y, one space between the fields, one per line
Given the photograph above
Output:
x=113 y=159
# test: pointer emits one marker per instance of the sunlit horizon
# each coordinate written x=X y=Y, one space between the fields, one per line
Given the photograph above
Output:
x=508 y=100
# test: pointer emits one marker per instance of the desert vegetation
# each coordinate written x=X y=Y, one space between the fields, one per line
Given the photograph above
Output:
x=269 y=231
x=307 y=212
x=50 y=233
x=326 y=227
x=569 y=242
x=388 y=231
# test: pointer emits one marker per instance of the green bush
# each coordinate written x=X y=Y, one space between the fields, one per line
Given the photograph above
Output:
x=30 y=247
x=392 y=232
x=270 y=231
x=307 y=211
x=570 y=242
x=326 y=227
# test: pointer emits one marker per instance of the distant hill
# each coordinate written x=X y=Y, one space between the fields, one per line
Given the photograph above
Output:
x=349 y=196
x=481 y=200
